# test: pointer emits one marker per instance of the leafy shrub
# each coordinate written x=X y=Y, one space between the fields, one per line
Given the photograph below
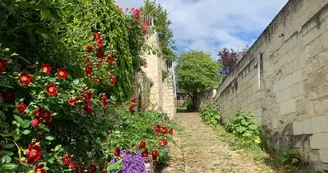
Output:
x=289 y=156
x=210 y=114
x=243 y=125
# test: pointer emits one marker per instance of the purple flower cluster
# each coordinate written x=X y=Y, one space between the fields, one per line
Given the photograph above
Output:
x=132 y=162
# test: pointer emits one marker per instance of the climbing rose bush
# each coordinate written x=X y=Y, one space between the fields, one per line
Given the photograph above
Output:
x=66 y=118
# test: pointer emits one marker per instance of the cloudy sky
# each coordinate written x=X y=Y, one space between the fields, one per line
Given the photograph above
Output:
x=210 y=25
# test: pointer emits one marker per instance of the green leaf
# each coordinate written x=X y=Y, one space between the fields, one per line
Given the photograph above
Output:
x=26 y=124
x=46 y=14
x=5 y=159
x=2 y=116
x=4 y=125
x=58 y=147
x=76 y=81
x=9 y=146
x=50 y=138
x=114 y=166
x=3 y=152
x=26 y=132
x=9 y=166
x=19 y=120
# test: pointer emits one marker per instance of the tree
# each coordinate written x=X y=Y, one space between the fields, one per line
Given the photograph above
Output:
x=152 y=10
x=228 y=59
x=196 y=71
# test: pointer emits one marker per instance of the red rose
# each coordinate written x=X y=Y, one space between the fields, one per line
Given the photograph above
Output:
x=112 y=80
x=158 y=129
x=98 y=80
x=155 y=154
x=100 y=44
x=164 y=130
x=87 y=96
x=51 y=89
x=72 y=101
x=3 y=65
x=89 y=48
x=171 y=131
x=9 y=95
x=21 y=107
x=25 y=78
x=72 y=165
x=144 y=30
x=144 y=153
x=100 y=53
x=46 y=68
x=117 y=152
x=130 y=27
x=110 y=59
x=88 y=69
x=80 y=169
x=88 y=108
x=133 y=99
x=62 y=73
x=96 y=36
x=132 y=111
x=92 y=169
x=39 y=168
x=67 y=159
x=142 y=144
x=164 y=142
x=46 y=115
x=35 y=123
x=33 y=153
x=104 y=104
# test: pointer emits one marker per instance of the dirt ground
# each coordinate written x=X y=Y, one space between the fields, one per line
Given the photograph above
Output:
x=199 y=149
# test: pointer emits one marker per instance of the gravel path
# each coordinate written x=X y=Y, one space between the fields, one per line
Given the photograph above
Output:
x=199 y=149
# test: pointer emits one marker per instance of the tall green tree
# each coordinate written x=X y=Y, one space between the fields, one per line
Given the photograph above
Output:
x=196 y=71
x=154 y=11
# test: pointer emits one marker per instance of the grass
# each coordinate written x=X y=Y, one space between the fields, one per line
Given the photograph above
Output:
x=258 y=153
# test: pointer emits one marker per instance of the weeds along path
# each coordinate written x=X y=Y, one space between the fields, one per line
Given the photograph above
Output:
x=199 y=149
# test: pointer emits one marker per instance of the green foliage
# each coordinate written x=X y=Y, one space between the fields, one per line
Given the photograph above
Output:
x=165 y=74
x=196 y=71
x=242 y=124
x=289 y=156
x=210 y=114
x=160 y=16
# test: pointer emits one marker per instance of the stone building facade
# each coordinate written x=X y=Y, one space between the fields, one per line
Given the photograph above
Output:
x=283 y=80
x=162 y=91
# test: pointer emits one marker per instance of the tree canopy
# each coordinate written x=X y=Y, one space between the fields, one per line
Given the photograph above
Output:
x=196 y=71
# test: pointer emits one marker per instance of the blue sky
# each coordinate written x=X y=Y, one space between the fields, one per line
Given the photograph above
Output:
x=210 y=25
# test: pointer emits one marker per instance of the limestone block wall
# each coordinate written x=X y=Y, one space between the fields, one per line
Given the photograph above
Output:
x=162 y=92
x=168 y=96
x=283 y=80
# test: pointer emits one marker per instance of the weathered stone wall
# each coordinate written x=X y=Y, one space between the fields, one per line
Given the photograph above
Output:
x=283 y=80
x=161 y=92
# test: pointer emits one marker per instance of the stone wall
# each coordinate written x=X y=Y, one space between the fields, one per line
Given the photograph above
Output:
x=162 y=92
x=283 y=80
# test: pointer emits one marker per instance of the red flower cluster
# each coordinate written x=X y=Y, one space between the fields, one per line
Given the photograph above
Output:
x=100 y=53
x=3 y=65
x=72 y=101
x=89 y=48
x=40 y=116
x=142 y=144
x=87 y=97
x=154 y=156
x=67 y=160
x=163 y=142
x=25 y=78
x=133 y=105
x=136 y=12
x=33 y=153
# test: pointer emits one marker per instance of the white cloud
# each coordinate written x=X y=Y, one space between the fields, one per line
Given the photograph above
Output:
x=210 y=25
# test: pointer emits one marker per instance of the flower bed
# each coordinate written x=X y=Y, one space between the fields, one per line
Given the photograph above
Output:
x=65 y=94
